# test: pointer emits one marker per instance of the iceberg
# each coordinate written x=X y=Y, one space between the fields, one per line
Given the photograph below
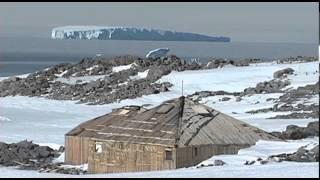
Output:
x=129 y=33
x=157 y=53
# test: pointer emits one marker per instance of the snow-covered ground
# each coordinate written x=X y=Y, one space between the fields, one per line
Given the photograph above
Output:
x=233 y=168
x=46 y=121
x=82 y=79
x=140 y=75
x=20 y=76
x=123 y=67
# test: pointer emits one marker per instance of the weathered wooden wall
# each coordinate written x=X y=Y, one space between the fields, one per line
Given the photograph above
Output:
x=76 y=150
x=128 y=157
x=187 y=157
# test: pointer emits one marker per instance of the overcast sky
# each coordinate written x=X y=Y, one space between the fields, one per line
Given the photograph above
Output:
x=251 y=22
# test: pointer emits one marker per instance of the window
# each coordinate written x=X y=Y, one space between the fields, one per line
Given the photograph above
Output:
x=168 y=155
x=98 y=148
x=196 y=151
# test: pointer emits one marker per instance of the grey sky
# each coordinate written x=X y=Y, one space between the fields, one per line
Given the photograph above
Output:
x=252 y=22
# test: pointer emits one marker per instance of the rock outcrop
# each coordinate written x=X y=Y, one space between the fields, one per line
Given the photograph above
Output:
x=29 y=156
x=102 y=80
x=298 y=59
x=295 y=132
x=272 y=86
x=301 y=155
x=283 y=72
x=26 y=152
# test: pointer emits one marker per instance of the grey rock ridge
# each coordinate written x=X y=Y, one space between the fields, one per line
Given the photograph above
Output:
x=110 y=86
x=285 y=103
x=295 y=132
x=129 y=33
x=95 y=80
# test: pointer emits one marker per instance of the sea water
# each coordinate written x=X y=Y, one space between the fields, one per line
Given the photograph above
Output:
x=20 y=55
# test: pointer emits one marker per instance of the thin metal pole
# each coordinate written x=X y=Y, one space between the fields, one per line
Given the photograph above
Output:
x=182 y=88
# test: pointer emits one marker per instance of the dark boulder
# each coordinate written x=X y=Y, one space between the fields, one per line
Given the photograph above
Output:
x=218 y=162
x=313 y=128
x=295 y=132
x=282 y=72
x=225 y=99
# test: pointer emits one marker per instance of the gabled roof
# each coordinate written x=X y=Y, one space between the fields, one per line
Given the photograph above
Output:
x=178 y=121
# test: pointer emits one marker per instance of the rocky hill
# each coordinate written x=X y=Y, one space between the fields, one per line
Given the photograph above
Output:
x=101 y=80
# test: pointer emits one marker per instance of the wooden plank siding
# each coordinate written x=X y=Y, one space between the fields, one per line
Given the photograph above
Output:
x=128 y=157
x=187 y=156
x=76 y=150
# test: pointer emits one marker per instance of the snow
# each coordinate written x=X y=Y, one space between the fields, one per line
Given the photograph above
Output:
x=126 y=33
x=59 y=159
x=2 y=118
x=263 y=149
x=90 y=31
x=51 y=145
x=46 y=121
x=121 y=68
x=237 y=78
x=82 y=166
x=305 y=75
x=313 y=100
x=61 y=74
x=234 y=166
x=20 y=76
x=140 y=75
x=275 y=124
x=91 y=68
x=83 y=79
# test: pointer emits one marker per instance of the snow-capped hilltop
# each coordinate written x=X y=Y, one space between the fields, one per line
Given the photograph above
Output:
x=129 y=33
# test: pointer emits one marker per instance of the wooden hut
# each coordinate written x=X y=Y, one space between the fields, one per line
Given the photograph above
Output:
x=178 y=133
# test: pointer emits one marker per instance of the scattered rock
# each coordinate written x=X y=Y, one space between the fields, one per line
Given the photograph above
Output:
x=295 y=132
x=198 y=96
x=282 y=72
x=265 y=110
x=25 y=151
x=238 y=99
x=249 y=162
x=225 y=99
x=301 y=155
x=61 y=149
x=298 y=59
x=117 y=86
x=29 y=156
x=264 y=162
x=219 y=162
x=272 y=86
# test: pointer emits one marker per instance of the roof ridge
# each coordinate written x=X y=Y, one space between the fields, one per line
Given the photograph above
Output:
x=182 y=102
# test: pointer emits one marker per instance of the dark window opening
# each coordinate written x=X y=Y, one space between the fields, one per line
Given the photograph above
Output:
x=168 y=155
x=196 y=151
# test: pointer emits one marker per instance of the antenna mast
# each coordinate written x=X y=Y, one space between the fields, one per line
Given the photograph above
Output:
x=182 y=87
